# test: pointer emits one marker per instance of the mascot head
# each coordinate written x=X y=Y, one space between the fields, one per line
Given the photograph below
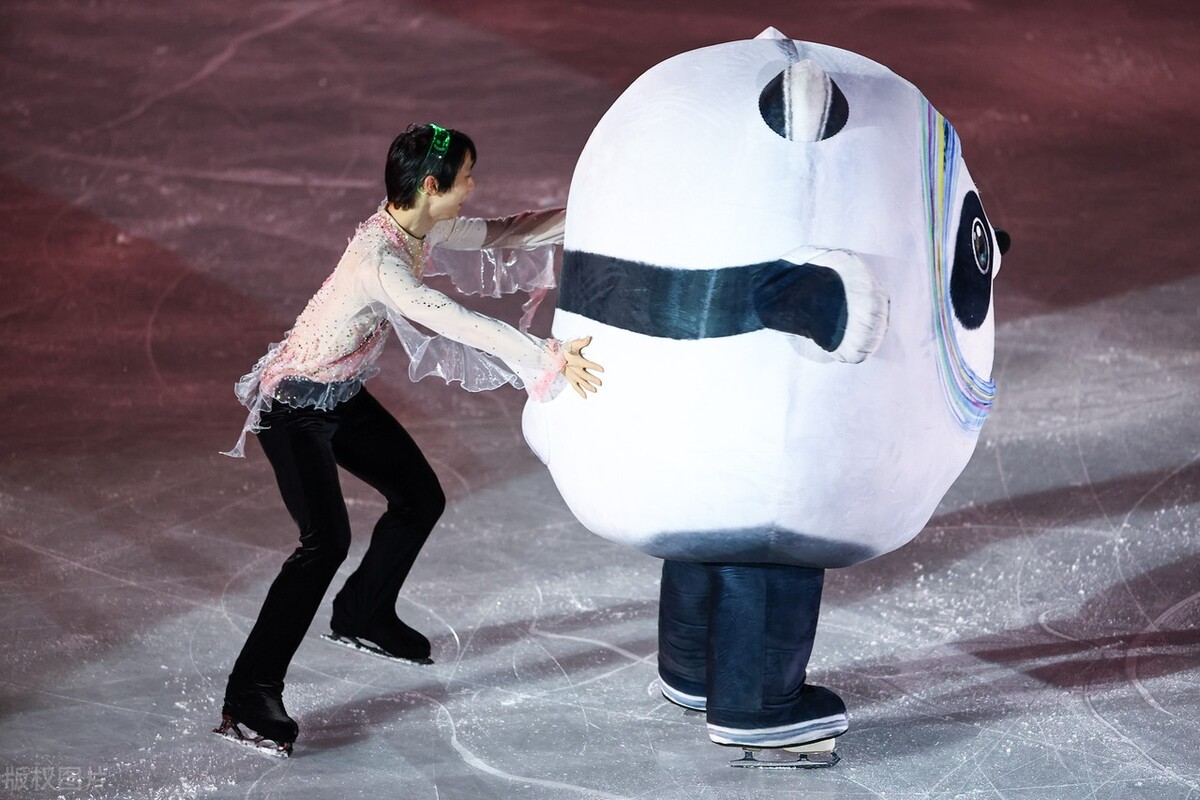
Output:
x=788 y=272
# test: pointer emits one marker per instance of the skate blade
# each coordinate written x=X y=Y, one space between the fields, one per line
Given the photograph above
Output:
x=366 y=647
x=811 y=755
x=232 y=731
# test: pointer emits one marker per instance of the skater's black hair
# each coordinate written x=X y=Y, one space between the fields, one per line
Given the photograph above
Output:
x=408 y=162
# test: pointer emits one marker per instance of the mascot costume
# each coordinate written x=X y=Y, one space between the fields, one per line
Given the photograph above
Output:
x=788 y=272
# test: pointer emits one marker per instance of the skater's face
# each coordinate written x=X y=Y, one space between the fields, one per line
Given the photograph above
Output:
x=447 y=204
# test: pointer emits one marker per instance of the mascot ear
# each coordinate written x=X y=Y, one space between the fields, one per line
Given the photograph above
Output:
x=803 y=104
x=772 y=33
x=827 y=297
x=1003 y=241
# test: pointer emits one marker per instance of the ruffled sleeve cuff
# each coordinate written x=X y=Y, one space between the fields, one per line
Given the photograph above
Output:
x=545 y=383
x=497 y=257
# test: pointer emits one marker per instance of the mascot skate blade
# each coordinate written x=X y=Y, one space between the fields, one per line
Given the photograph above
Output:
x=813 y=755
x=363 y=646
x=232 y=730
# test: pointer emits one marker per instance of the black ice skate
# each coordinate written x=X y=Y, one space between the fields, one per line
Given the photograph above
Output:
x=258 y=720
x=811 y=755
x=392 y=640
x=232 y=730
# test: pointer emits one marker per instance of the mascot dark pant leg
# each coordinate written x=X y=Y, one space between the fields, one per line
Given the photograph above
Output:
x=683 y=633
x=734 y=641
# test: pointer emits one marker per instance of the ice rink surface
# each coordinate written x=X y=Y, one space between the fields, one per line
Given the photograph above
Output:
x=178 y=178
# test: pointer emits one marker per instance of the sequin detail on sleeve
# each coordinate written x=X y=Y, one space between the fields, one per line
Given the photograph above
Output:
x=497 y=257
x=333 y=347
x=468 y=348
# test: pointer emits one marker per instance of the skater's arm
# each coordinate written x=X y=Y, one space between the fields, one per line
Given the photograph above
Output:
x=404 y=293
x=536 y=360
x=523 y=231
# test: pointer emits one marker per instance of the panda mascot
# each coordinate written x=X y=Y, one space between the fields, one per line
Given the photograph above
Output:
x=788 y=273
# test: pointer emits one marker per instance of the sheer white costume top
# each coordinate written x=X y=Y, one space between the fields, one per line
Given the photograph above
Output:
x=377 y=288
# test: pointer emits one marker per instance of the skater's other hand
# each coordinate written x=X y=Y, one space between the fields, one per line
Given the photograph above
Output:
x=576 y=368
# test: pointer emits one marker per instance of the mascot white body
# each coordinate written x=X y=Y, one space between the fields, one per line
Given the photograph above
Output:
x=787 y=272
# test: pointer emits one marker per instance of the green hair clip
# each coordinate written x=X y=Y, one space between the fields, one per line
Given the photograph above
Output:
x=439 y=143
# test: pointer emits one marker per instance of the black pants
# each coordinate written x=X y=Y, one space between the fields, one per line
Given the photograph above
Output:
x=305 y=448
x=734 y=641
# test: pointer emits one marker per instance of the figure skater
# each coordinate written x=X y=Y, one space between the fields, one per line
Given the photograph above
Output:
x=312 y=413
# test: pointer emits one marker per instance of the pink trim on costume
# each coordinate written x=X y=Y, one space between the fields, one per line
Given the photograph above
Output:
x=549 y=383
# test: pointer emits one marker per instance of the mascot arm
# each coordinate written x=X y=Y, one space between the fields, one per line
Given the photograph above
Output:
x=829 y=297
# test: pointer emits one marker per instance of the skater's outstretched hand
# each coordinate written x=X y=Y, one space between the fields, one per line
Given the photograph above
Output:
x=576 y=368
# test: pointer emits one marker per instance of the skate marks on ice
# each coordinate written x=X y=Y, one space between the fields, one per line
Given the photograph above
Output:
x=545 y=642
x=1048 y=722
x=475 y=762
x=227 y=53
x=504 y=703
x=1155 y=653
x=540 y=685
x=1048 y=682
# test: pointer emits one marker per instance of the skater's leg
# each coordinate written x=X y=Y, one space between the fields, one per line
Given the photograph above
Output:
x=373 y=446
x=296 y=443
x=683 y=611
x=761 y=631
